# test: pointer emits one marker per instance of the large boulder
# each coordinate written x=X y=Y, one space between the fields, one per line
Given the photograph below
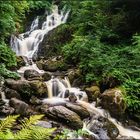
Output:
x=10 y=93
x=46 y=76
x=81 y=111
x=32 y=75
x=19 y=106
x=73 y=74
x=27 y=88
x=64 y=115
x=39 y=88
x=112 y=99
x=21 y=86
x=93 y=92
x=20 y=62
x=54 y=64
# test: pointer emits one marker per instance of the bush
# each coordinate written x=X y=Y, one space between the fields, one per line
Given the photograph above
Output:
x=7 y=73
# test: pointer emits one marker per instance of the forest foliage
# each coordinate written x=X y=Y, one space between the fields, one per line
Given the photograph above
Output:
x=105 y=43
x=106 y=46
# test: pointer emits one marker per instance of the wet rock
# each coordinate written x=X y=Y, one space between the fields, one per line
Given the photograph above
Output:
x=20 y=62
x=73 y=74
x=6 y=110
x=112 y=100
x=27 y=88
x=35 y=101
x=64 y=115
x=19 y=106
x=81 y=111
x=21 y=86
x=40 y=64
x=38 y=88
x=32 y=75
x=93 y=93
x=46 y=76
x=10 y=93
x=53 y=65
x=44 y=124
x=103 y=128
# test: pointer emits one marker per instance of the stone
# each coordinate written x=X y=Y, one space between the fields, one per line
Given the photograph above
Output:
x=35 y=101
x=19 y=106
x=44 y=124
x=93 y=92
x=64 y=115
x=81 y=111
x=53 y=65
x=10 y=93
x=21 y=86
x=32 y=75
x=39 y=88
x=103 y=128
x=112 y=99
x=6 y=110
x=46 y=76
x=27 y=88
x=20 y=62
x=73 y=74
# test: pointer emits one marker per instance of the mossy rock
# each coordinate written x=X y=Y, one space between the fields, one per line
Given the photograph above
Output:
x=93 y=92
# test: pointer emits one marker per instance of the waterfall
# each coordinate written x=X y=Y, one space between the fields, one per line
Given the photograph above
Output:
x=26 y=44
x=59 y=90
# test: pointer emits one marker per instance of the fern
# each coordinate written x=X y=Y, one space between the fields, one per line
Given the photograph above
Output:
x=7 y=122
x=28 y=129
x=26 y=123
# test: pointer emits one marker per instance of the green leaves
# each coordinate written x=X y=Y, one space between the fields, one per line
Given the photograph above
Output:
x=28 y=129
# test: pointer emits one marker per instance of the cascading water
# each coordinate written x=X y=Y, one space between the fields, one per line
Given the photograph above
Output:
x=26 y=44
x=59 y=90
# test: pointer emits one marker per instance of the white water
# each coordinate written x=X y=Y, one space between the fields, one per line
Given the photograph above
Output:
x=26 y=44
x=122 y=130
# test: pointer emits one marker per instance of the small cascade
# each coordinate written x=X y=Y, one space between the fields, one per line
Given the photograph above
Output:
x=101 y=112
x=61 y=88
x=60 y=91
x=26 y=44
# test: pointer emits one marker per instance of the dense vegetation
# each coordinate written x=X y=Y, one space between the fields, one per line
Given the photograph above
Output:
x=105 y=45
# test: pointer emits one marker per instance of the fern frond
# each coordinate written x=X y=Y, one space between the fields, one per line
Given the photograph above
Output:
x=7 y=122
x=22 y=134
x=6 y=135
x=41 y=133
x=26 y=123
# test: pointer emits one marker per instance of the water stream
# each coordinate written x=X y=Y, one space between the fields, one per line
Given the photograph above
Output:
x=26 y=45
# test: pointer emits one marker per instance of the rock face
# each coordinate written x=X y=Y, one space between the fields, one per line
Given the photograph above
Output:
x=10 y=93
x=103 y=128
x=46 y=76
x=64 y=115
x=19 y=106
x=112 y=100
x=32 y=75
x=81 y=111
x=38 y=88
x=20 y=62
x=54 y=40
x=28 y=88
x=93 y=93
